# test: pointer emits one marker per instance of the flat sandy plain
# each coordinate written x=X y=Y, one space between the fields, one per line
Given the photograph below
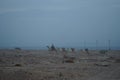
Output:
x=45 y=65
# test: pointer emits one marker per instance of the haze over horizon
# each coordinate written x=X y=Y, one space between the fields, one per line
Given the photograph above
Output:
x=31 y=23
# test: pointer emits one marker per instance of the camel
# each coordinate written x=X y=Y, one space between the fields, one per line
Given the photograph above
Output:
x=87 y=51
x=52 y=48
x=73 y=50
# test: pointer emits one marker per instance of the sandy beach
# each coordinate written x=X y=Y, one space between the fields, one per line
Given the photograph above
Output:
x=45 y=65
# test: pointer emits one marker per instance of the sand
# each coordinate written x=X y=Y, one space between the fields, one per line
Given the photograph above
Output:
x=45 y=65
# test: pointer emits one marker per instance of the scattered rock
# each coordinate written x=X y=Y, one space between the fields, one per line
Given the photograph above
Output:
x=18 y=65
x=104 y=64
x=68 y=59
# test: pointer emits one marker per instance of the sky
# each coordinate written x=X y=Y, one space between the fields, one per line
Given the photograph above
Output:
x=32 y=23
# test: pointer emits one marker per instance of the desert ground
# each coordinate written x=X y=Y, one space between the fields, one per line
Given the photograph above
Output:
x=18 y=64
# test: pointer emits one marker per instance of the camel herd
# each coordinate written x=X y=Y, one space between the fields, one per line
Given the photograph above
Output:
x=66 y=59
x=52 y=48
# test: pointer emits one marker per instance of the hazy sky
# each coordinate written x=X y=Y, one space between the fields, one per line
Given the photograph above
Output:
x=62 y=22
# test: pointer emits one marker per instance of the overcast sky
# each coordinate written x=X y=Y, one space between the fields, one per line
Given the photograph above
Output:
x=62 y=22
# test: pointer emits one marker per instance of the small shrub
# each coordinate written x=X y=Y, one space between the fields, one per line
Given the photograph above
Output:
x=103 y=51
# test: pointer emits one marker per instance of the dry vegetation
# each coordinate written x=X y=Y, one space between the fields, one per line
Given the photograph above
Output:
x=45 y=65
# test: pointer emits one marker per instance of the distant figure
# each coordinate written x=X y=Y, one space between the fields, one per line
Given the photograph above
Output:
x=52 y=48
x=87 y=51
x=73 y=49
x=59 y=49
